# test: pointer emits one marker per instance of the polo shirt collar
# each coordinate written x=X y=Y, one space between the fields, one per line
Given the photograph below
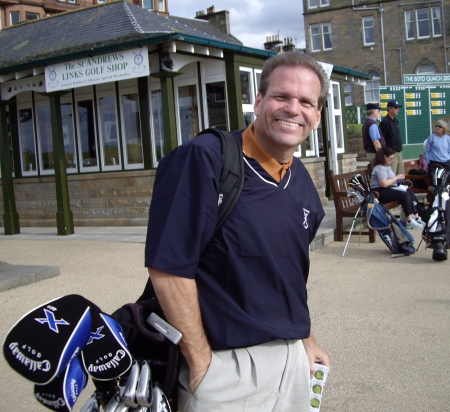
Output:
x=252 y=148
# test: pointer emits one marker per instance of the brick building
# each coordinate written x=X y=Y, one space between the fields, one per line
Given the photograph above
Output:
x=384 y=39
x=18 y=11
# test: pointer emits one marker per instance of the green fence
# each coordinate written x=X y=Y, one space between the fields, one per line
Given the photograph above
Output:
x=352 y=114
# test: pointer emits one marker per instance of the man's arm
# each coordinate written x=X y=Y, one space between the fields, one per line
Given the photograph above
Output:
x=377 y=145
x=179 y=302
x=315 y=354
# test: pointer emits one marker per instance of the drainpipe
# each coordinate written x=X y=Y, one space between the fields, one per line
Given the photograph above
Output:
x=401 y=63
x=380 y=9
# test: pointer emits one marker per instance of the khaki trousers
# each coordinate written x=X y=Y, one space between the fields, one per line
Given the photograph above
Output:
x=271 y=377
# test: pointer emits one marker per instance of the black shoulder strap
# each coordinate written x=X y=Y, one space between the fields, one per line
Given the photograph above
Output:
x=232 y=174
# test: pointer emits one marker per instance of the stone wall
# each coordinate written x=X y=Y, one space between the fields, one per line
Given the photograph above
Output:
x=316 y=168
x=118 y=198
x=108 y=199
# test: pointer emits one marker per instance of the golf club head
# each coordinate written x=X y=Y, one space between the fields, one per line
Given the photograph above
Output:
x=129 y=395
x=91 y=405
x=144 y=386
x=115 y=401
x=122 y=407
x=160 y=402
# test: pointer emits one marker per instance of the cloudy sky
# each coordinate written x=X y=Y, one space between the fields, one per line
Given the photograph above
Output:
x=252 y=20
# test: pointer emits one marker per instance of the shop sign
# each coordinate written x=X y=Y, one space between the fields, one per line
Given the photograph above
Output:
x=105 y=68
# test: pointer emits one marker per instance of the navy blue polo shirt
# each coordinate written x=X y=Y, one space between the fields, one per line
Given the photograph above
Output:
x=251 y=275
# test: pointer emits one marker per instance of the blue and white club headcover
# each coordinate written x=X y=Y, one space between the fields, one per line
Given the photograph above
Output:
x=106 y=355
x=40 y=345
x=63 y=391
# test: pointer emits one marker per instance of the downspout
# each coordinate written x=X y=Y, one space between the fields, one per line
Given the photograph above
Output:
x=401 y=63
x=380 y=9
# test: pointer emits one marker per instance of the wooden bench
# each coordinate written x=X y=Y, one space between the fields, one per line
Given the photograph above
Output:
x=343 y=203
x=414 y=164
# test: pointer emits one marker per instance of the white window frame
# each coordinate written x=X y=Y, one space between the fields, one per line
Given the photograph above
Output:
x=254 y=77
x=410 y=25
x=324 y=3
x=25 y=102
x=368 y=23
x=315 y=37
x=436 y=18
x=104 y=91
x=154 y=85
x=83 y=94
x=348 y=92
x=371 y=86
x=328 y=33
x=10 y=17
x=147 y=1
x=126 y=87
x=313 y=4
x=427 y=21
x=161 y=5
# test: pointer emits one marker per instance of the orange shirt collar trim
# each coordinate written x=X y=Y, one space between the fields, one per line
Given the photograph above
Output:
x=252 y=148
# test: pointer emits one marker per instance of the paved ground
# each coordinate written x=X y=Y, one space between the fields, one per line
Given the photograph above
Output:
x=385 y=322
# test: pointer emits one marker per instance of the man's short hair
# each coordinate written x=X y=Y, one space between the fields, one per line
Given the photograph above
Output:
x=295 y=59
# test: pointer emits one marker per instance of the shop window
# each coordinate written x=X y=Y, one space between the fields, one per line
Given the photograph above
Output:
x=27 y=141
x=216 y=105
x=131 y=127
x=109 y=135
x=44 y=134
x=188 y=112
x=86 y=120
x=45 y=143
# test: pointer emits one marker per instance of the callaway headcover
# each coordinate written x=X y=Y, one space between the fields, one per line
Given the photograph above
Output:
x=40 y=345
x=106 y=355
x=63 y=391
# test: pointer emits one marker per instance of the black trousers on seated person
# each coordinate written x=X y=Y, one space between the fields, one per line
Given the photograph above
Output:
x=407 y=198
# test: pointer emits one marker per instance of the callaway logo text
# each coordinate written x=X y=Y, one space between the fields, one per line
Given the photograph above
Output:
x=33 y=365
x=113 y=363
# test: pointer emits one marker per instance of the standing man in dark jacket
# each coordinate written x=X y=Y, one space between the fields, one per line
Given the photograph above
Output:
x=239 y=295
x=391 y=131
x=373 y=139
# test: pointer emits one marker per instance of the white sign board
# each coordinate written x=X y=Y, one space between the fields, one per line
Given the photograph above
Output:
x=120 y=65
x=426 y=78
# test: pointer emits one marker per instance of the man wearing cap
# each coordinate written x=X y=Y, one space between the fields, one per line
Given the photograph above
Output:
x=373 y=139
x=391 y=131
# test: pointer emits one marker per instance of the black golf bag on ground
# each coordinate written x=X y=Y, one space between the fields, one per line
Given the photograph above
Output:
x=391 y=231
x=437 y=217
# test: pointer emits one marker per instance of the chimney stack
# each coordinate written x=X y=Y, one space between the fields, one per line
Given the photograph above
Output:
x=220 y=19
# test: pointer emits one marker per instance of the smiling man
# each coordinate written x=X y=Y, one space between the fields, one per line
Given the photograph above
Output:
x=239 y=295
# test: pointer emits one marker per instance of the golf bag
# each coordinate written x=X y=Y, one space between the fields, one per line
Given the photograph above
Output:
x=356 y=189
x=391 y=231
x=437 y=217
